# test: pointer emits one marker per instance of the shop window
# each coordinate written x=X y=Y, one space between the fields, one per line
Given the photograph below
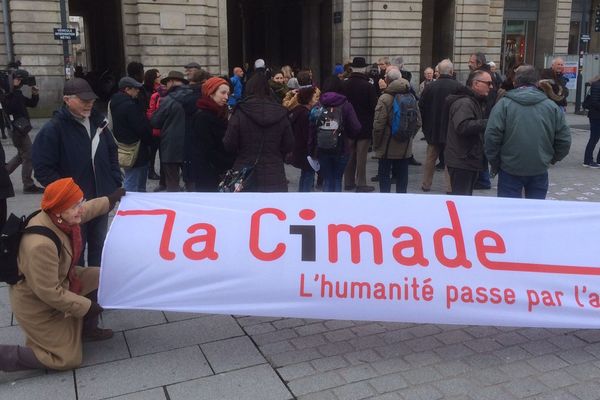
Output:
x=518 y=43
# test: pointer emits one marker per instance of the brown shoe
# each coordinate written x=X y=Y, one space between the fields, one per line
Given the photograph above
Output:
x=364 y=189
x=97 y=334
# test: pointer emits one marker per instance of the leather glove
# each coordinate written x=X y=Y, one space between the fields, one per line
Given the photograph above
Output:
x=115 y=196
x=94 y=311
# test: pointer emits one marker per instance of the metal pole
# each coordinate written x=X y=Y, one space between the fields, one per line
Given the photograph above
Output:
x=583 y=46
x=65 y=24
x=7 y=31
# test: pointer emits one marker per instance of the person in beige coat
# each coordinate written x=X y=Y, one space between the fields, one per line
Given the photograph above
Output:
x=55 y=304
x=393 y=155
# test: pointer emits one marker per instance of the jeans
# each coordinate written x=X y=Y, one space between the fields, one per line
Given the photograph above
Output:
x=93 y=234
x=535 y=186
x=588 y=157
x=484 y=175
x=332 y=170
x=135 y=179
x=307 y=180
x=398 y=169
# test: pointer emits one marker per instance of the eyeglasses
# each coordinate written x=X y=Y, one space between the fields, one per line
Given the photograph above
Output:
x=489 y=83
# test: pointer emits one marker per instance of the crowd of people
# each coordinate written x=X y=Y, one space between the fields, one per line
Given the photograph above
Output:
x=203 y=126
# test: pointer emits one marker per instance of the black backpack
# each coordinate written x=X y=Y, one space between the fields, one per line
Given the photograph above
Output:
x=329 y=129
x=405 y=117
x=10 y=238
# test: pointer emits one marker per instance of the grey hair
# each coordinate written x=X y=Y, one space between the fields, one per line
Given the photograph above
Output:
x=526 y=75
x=393 y=74
x=385 y=60
x=398 y=61
x=445 y=67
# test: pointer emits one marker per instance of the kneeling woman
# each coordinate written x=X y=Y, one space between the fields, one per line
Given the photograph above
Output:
x=55 y=304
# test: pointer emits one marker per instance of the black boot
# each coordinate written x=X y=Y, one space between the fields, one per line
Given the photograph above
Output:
x=18 y=358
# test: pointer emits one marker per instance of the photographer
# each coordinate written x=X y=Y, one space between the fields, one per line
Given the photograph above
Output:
x=15 y=105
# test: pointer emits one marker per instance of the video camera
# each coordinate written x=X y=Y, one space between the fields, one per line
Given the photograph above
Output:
x=12 y=72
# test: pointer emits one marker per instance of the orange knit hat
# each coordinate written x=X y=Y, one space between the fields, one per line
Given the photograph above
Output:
x=211 y=85
x=61 y=195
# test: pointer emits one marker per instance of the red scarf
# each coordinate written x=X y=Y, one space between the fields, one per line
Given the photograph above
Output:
x=74 y=233
x=207 y=103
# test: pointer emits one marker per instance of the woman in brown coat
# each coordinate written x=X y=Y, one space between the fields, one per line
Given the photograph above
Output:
x=55 y=304
x=259 y=132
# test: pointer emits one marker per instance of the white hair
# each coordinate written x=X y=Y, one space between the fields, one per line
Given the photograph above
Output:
x=393 y=74
x=446 y=67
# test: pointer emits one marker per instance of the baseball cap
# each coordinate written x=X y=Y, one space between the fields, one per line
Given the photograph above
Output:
x=129 y=82
x=192 y=65
x=80 y=88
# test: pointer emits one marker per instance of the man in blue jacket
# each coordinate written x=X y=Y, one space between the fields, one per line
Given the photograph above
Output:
x=77 y=143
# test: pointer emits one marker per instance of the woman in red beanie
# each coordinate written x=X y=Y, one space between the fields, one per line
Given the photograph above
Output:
x=208 y=158
x=55 y=304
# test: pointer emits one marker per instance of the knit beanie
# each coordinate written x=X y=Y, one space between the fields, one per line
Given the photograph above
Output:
x=61 y=195
x=211 y=85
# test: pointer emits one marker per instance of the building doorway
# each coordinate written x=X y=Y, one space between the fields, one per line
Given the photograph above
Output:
x=100 y=55
x=437 y=43
x=282 y=32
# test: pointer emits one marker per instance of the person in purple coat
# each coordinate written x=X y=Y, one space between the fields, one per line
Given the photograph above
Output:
x=333 y=161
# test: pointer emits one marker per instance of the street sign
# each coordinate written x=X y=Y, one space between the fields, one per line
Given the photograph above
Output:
x=337 y=17
x=65 y=33
x=585 y=38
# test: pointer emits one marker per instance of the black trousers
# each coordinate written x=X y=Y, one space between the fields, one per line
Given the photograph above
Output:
x=462 y=181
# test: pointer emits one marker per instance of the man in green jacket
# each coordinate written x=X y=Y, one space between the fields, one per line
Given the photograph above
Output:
x=526 y=132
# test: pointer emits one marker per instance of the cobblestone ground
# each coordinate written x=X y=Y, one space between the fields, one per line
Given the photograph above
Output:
x=163 y=355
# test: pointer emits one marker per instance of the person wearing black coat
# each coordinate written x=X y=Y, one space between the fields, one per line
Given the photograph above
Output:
x=361 y=93
x=299 y=118
x=6 y=188
x=130 y=126
x=260 y=134
x=594 y=116
x=75 y=143
x=15 y=106
x=431 y=105
x=208 y=160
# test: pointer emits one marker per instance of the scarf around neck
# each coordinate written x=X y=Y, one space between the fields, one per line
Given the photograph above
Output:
x=74 y=234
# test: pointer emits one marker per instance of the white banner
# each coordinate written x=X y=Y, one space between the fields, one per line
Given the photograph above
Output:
x=384 y=257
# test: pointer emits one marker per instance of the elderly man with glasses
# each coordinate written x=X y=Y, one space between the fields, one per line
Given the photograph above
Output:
x=466 y=125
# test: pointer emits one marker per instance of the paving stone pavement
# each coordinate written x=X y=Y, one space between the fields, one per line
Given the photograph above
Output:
x=164 y=355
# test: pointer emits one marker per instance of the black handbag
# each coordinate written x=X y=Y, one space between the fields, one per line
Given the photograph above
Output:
x=242 y=179
x=587 y=101
x=22 y=125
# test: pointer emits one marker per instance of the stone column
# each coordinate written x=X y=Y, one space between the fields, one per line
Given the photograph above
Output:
x=553 y=25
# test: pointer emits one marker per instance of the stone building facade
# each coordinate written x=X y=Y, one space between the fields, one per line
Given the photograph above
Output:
x=220 y=34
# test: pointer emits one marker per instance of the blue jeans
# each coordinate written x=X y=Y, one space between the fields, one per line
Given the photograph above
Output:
x=398 y=169
x=332 y=170
x=135 y=179
x=535 y=186
x=588 y=157
x=307 y=180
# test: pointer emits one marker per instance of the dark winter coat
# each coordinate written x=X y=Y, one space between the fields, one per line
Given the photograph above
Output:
x=208 y=159
x=16 y=103
x=130 y=125
x=350 y=124
x=594 y=111
x=171 y=120
x=431 y=105
x=63 y=148
x=301 y=128
x=466 y=126
x=361 y=93
x=253 y=120
x=6 y=187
